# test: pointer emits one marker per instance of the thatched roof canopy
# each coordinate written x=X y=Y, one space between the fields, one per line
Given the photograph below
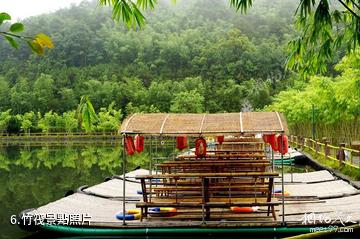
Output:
x=205 y=124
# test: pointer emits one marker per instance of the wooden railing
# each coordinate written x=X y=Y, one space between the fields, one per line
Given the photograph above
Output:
x=341 y=153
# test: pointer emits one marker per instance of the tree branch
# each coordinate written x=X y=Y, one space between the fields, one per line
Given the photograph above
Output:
x=17 y=36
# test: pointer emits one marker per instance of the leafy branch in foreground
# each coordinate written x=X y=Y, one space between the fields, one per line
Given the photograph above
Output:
x=323 y=29
x=86 y=114
x=129 y=11
x=37 y=44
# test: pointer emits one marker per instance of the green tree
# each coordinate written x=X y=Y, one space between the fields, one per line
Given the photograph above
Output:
x=4 y=93
x=44 y=93
x=28 y=121
x=47 y=123
x=70 y=121
x=188 y=102
x=21 y=96
x=322 y=29
x=109 y=119
x=4 y=120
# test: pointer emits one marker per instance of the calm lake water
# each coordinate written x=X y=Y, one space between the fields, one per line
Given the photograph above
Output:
x=32 y=175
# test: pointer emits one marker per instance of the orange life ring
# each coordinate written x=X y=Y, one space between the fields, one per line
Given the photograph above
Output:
x=244 y=209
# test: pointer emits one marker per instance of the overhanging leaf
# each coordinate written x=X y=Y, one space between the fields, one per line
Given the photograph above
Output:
x=3 y=17
x=44 y=40
x=17 y=27
x=36 y=47
x=12 y=42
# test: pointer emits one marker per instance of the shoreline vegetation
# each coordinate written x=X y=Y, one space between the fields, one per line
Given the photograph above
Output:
x=61 y=136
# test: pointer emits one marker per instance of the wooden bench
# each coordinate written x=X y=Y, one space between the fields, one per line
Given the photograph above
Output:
x=238 y=156
x=211 y=166
x=208 y=195
x=234 y=151
x=214 y=160
x=241 y=144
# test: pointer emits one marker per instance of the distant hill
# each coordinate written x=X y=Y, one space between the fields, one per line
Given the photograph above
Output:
x=203 y=48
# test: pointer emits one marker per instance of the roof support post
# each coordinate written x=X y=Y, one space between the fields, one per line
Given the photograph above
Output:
x=150 y=172
x=282 y=184
x=124 y=177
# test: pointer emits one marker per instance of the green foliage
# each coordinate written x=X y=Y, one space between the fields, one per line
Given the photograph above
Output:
x=241 y=5
x=43 y=91
x=17 y=27
x=233 y=61
x=37 y=44
x=4 y=120
x=48 y=123
x=188 y=102
x=336 y=101
x=86 y=113
x=354 y=173
x=109 y=119
x=27 y=121
x=323 y=26
x=70 y=121
x=129 y=11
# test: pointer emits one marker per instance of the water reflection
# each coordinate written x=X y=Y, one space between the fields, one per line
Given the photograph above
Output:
x=31 y=176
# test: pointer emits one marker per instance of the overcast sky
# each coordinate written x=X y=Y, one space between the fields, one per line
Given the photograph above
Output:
x=20 y=9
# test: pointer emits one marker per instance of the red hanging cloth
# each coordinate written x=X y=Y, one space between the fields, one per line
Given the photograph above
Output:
x=220 y=139
x=181 y=142
x=273 y=141
x=265 y=137
x=283 y=144
x=139 y=143
x=129 y=145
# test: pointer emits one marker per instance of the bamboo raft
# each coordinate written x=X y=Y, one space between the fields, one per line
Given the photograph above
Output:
x=103 y=201
x=204 y=192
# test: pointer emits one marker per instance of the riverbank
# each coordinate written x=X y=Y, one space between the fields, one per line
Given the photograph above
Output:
x=345 y=172
x=61 y=136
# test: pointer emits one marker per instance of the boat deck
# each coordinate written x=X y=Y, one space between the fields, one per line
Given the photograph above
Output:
x=315 y=192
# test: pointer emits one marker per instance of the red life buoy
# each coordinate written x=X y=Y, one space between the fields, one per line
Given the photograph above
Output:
x=220 y=139
x=129 y=145
x=283 y=145
x=200 y=147
x=181 y=142
x=273 y=142
x=244 y=209
x=139 y=143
